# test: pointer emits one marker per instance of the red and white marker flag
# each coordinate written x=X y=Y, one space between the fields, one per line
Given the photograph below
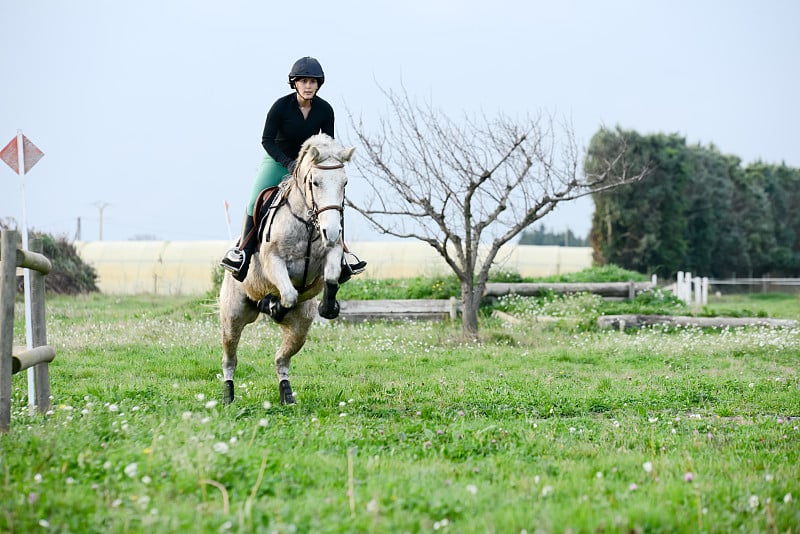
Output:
x=31 y=154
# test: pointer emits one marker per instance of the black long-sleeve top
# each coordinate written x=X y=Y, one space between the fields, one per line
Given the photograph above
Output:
x=286 y=129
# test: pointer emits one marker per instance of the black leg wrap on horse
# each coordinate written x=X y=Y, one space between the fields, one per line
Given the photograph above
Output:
x=271 y=305
x=227 y=392
x=287 y=397
x=329 y=307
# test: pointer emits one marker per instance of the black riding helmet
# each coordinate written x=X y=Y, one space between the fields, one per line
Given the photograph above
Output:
x=306 y=67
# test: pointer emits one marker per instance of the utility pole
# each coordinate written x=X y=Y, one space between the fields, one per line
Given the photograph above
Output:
x=78 y=231
x=101 y=206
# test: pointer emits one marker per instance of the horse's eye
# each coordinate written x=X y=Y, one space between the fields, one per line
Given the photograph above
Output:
x=315 y=183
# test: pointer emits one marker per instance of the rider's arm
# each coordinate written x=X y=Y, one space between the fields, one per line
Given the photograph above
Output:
x=268 y=138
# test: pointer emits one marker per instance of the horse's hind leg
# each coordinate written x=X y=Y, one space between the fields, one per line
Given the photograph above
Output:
x=295 y=331
x=236 y=311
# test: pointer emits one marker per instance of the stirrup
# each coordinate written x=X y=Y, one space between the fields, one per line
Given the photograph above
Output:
x=357 y=267
x=234 y=260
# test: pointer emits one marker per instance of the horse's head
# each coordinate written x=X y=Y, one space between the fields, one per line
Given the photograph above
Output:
x=320 y=170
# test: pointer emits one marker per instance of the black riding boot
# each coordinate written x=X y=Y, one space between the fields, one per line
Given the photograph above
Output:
x=237 y=259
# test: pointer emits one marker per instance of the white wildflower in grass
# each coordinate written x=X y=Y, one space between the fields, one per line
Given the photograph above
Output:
x=342 y=414
x=143 y=501
x=342 y=403
x=615 y=423
x=350 y=401
x=648 y=467
x=472 y=488
x=132 y=469
x=752 y=502
x=769 y=477
x=146 y=480
x=787 y=498
x=267 y=405
x=572 y=430
x=263 y=422
x=633 y=487
x=44 y=523
x=547 y=490
x=116 y=503
x=37 y=478
x=186 y=416
x=205 y=420
x=652 y=419
x=113 y=408
x=599 y=474
x=211 y=405
x=200 y=396
x=107 y=465
x=441 y=524
x=372 y=506
x=70 y=480
x=221 y=447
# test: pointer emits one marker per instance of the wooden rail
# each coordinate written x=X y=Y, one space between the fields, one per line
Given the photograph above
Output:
x=604 y=289
x=12 y=257
x=398 y=310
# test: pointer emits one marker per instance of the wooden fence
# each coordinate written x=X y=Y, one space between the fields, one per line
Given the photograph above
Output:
x=12 y=257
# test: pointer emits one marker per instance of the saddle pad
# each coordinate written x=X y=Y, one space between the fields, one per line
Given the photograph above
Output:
x=266 y=201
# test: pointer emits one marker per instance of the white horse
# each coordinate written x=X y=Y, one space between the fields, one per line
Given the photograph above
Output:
x=300 y=254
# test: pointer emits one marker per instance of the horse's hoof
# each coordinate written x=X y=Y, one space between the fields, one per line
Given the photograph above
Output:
x=287 y=397
x=329 y=312
x=272 y=306
x=227 y=392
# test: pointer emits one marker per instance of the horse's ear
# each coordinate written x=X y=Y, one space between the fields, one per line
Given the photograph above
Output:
x=313 y=153
x=347 y=153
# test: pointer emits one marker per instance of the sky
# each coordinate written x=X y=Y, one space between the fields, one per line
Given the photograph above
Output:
x=151 y=112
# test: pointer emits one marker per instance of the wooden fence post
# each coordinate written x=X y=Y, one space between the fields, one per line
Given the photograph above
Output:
x=41 y=373
x=8 y=292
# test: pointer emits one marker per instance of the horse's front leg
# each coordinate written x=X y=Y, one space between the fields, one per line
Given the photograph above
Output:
x=278 y=273
x=329 y=307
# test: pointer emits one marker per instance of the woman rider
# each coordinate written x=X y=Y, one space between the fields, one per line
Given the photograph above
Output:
x=290 y=121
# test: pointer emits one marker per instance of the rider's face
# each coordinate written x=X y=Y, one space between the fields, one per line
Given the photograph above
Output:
x=306 y=87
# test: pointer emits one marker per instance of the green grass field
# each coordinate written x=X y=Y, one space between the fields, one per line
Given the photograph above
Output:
x=544 y=426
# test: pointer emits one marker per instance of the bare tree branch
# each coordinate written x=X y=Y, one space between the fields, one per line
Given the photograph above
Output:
x=470 y=187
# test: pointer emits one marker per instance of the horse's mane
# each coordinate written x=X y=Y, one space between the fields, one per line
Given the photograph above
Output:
x=324 y=143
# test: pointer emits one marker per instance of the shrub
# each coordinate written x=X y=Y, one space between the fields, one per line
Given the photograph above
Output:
x=69 y=274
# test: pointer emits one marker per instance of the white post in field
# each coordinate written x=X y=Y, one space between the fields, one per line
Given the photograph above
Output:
x=26 y=273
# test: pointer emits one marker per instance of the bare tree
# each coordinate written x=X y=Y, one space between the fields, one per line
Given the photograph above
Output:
x=470 y=187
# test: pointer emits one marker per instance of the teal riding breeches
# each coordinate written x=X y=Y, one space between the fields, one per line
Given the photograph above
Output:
x=270 y=173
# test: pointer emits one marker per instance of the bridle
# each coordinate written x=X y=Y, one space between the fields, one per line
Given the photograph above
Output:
x=312 y=222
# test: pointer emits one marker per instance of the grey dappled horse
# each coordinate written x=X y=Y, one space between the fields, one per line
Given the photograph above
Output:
x=299 y=256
